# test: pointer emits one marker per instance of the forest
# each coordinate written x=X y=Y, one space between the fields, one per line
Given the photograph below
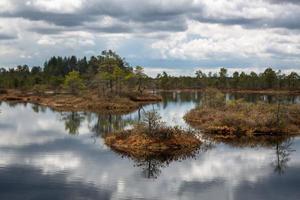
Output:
x=109 y=73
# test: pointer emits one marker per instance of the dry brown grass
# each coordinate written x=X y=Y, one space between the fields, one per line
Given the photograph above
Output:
x=239 y=118
x=67 y=102
x=143 y=97
x=136 y=143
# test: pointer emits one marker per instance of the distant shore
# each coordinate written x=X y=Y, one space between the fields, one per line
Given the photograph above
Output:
x=245 y=91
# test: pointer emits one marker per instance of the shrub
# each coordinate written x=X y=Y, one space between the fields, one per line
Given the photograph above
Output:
x=73 y=82
x=151 y=120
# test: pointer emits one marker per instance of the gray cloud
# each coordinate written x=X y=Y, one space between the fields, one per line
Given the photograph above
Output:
x=67 y=20
x=4 y=36
x=166 y=29
x=285 y=1
x=144 y=16
x=152 y=15
x=47 y=30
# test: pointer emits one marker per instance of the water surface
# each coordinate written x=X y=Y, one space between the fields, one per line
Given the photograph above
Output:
x=51 y=155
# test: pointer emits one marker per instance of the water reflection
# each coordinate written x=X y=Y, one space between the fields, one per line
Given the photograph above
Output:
x=152 y=165
x=283 y=147
x=40 y=159
x=270 y=98
x=106 y=123
x=283 y=151
x=72 y=121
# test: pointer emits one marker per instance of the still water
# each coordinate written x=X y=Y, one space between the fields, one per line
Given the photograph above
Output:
x=52 y=155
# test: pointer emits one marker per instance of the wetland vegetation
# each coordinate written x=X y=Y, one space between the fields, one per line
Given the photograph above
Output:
x=237 y=118
x=151 y=138
x=107 y=83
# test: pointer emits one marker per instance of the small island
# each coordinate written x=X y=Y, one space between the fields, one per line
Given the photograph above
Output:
x=235 y=119
x=84 y=101
x=151 y=138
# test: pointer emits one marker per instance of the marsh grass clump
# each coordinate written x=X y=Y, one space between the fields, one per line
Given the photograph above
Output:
x=152 y=138
x=240 y=118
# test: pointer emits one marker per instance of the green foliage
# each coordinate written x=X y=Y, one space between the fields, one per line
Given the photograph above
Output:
x=113 y=75
x=269 y=79
x=140 y=76
x=73 y=82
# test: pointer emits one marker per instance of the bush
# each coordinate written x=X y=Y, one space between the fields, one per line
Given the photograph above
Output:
x=153 y=127
x=73 y=82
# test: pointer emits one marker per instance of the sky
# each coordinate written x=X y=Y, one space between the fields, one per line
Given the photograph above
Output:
x=178 y=36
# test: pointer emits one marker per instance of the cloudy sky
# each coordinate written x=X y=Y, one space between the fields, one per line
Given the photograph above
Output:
x=177 y=35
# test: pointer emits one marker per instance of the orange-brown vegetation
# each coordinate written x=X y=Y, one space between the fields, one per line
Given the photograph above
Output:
x=86 y=101
x=238 y=118
x=143 y=97
x=167 y=142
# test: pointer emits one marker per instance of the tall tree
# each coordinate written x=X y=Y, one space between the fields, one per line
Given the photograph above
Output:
x=140 y=75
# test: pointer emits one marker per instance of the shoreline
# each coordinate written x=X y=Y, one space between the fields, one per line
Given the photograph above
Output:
x=87 y=101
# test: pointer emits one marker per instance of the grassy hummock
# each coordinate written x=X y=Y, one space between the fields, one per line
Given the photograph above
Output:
x=152 y=138
x=85 y=101
x=136 y=143
x=239 y=118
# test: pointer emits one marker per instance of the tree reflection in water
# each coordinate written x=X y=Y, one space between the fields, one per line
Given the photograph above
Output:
x=72 y=122
x=152 y=165
x=281 y=144
x=282 y=151
x=107 y=123
x=99 y=124
x=151 y=168
x=37 y=108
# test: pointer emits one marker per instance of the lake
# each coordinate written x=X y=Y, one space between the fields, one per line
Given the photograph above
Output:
x=59 y=155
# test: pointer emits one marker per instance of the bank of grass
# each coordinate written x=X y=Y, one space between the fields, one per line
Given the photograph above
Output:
x=161 y=141
x=239 y=118
x=85 y=101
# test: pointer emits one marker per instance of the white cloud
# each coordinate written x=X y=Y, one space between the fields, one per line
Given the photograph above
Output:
x=71 y=39
x=205 y=41
x=6 y=5
x=58 y=6
x=222 y=32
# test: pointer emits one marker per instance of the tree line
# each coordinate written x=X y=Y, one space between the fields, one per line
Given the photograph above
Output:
x=106 y=73
x=110 y=74
x=269 y=79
